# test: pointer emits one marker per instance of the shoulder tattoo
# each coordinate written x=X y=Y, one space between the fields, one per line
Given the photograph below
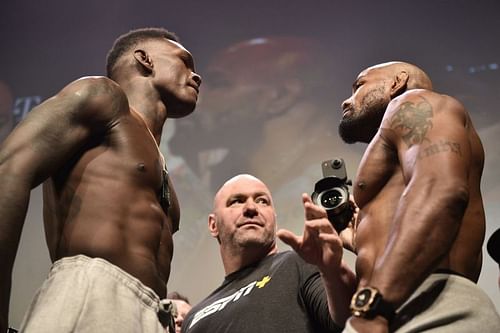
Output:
x=414 y=120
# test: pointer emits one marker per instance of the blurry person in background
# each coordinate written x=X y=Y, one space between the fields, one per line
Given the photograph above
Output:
x=181 y=308
x=264 y=105
x=265 y=110
x=6 y=117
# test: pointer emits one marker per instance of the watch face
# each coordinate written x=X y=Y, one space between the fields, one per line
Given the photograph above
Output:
x=363 y=297
x=368 y=303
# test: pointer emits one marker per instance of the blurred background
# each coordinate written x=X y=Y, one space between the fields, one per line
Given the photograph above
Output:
x=275 y=73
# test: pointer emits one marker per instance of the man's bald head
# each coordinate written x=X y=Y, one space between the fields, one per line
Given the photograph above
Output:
x=241 y=180
x=417 y=78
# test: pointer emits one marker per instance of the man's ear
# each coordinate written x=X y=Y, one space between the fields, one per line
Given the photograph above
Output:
x=283 y=96
x=399 y=84
x=144 y=61
x=212 y=226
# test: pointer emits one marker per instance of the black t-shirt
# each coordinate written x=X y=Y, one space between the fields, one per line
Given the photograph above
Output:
x=281 y=293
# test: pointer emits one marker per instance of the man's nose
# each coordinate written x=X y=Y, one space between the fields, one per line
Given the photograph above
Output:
x=250 y=208
x=346 y=104
x=197 y=78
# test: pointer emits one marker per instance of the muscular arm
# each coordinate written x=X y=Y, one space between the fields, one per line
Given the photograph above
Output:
x=429 y=134
x=52 y=134
x=321 y=246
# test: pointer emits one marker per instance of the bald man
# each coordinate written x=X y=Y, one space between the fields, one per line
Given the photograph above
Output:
x=421 y=223
x=265 y=290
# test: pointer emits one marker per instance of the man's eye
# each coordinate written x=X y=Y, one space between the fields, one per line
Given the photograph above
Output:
x=262 y=201
x=234 y=201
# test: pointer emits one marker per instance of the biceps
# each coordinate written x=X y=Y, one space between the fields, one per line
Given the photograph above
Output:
x=41 y=144
x=444 y=152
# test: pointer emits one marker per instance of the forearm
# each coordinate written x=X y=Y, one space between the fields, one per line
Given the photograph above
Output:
x=423 y=233
x=13 y=206
x=340 y=285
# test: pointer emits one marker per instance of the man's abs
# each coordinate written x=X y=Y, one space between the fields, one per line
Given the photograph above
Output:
x=113 y=219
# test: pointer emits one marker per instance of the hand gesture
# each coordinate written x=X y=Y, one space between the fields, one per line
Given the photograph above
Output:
x=320 y=244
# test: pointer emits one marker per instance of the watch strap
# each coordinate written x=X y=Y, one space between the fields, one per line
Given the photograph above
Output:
x=383 y=308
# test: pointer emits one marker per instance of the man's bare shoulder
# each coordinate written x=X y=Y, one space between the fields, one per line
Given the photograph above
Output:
x=95 y=97
x=431 y=97
x=411 y=117
x=424 y=103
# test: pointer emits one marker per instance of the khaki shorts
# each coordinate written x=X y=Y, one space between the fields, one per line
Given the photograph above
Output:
x=445 y=303
x=83 y=294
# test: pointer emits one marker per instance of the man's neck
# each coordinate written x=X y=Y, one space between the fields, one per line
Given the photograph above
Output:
x=236 y=260
x=146 y=102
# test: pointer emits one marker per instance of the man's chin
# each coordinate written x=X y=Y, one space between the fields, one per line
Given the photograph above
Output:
x=250 y=240
x=182 y=109
x=346 y=135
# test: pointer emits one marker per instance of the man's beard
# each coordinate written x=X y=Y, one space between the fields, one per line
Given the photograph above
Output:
x=362 y=128
x=347 y=130
x=254 y=241
x=362 y=123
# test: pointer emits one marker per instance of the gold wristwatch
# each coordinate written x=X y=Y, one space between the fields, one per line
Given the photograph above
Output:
x=368 y=302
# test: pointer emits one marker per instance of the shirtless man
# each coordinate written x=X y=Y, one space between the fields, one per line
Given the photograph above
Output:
x=421 y=223
x=109 y=207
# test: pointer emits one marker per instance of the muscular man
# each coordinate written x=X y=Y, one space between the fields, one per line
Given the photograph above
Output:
x=421 y=222
x=265 y=290
x=109 y=207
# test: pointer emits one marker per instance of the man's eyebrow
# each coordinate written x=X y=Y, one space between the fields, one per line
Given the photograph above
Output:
x=189 y=57
x=259 y=194
x=355 y=83
x=240 y=195
x=234 y=196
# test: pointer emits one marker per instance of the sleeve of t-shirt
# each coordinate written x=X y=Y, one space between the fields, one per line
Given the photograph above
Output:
x=314 y=297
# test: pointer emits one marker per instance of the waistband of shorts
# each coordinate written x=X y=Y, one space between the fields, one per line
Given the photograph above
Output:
x=447 y=271
x=449 y=276
x=144 y=293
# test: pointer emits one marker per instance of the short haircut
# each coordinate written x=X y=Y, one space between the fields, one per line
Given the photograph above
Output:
x=176 y=295
x=127 y=41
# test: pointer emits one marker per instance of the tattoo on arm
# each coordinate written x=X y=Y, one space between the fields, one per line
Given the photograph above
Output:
x=414 y=120
x=441 y=147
